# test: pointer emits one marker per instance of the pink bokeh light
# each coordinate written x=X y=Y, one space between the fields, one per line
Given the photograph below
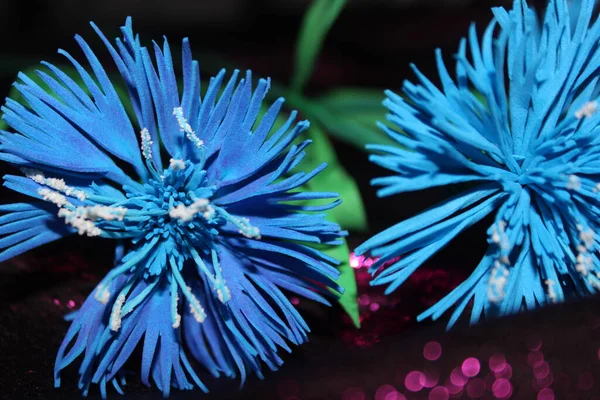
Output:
x=432 y=351
x=457 y=378
x=545 y=394
x=542 y=370
x=475 y=388
x=430 y=377
x=470 y=367
x=506 y=372
x=439 y=393
x=386 y=392
x=535 y=358
x=452 y=388
x=534 y=344
x=497 y=362
x=395 y=396
x=585 y=381
x=541 y=383
x=502 y=388
x=354 y=393
x=413 y=381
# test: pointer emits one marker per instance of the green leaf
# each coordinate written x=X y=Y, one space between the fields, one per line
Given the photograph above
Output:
x=351 y=213
x=317 y=21
x=351 y=115
x=321 y=150
x=349 y=299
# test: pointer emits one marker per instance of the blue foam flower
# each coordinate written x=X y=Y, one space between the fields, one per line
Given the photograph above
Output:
x=517 y=131
x=202 y=203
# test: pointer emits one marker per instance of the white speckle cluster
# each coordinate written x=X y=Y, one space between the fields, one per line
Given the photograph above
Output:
x=54 y=183
x=499 y=273
x=83 y=226
x=587 y=110
x=176 y=165
x=584 y=259
x=223 y=292
x=499 y=235
x=102 y=294
x=95 y=213
x=146 y=144
x=574 y=183
x=187 y=213
x=195 y=307
x=53 y=197
x=246 y=229
x=177 y=317
x=177 y=322
x=115 y=315
x=551 y=293
x=497 y=282
x=185 y=127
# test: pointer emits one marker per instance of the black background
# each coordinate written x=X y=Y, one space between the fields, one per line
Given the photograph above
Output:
x=371 y=45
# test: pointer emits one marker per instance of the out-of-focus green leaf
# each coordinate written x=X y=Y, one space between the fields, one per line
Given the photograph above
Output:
x=351 y=213
x=351 y=115
x=321 y=150
x=348 y=300
x=317 y=21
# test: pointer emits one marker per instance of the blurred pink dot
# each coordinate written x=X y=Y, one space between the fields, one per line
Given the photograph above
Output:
x=413 y=381
x=585 y=381
x=353 y=393
x=535 y=358
x=57 y=302
x=497 y=362
x=470 y=367
x=295 y=301
x=383 y=391
x=502 y=388
x=547 y=381
x=452 y=388
x=355 y=261
x=432 y=351
x=364 y=300
x=545 y=394
x=506 y=372
x=71 y=304
x=599 y=354
x=395 y=396
x=439 y=393
x=542 y=370
x=374 y=307
x=534 y=344
x=430 y=377
x=475 y=388
x=457 y=378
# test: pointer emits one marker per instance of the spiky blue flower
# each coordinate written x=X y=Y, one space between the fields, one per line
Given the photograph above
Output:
x=518 y=130
x=202 y=202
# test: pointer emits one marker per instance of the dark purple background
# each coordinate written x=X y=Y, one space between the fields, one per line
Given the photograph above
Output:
x=371 y=45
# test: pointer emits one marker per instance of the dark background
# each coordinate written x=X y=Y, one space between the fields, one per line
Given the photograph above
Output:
x=371 y=45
